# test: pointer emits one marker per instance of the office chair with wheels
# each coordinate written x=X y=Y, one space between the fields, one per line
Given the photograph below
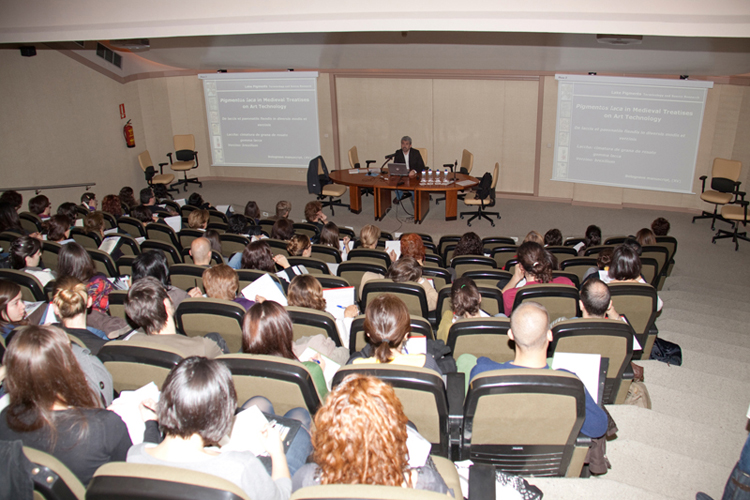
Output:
x=467 y=164
x=318 y=183
x=482 y=200
x=187 y=159
x=725 y=187
x=152 y=178
x=354 y=163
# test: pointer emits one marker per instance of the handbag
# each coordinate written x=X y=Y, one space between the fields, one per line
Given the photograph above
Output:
x=666 y=352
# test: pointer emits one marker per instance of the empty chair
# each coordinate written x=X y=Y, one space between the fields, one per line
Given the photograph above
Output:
x=482 y=337
x=353 y=271
x=187 y=235
x=128 y=245
x=131 y=226
x=736 y=215
x=326 y=253
x=372 y=256
x=186 y=276
x=725 y=175
x=84 y=238
x=308 y=322
x=313 y=266
x=539 y=435
x=134 y=364
x=187 y=159
x=466 y=166
x=559 y=300
x=503 y=253
x=440 y=277
x=152 y=178
x=354 y=159
x=30 y=222
x=319 y=183
x=578 y=266
x=117 y=303
x=286 y=383
x=195 y=317
x=233 y=243
x=489 y=277
x=50 y=250
x=278 y=247
x=172 y=253
x=466 y=263
x=481 y=199
x=103 y=262
x=162 y=232
x=159 y=482
x=612 y=339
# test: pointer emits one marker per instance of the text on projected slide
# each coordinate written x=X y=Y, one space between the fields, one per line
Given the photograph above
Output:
x=262 y=122
x=628 y=135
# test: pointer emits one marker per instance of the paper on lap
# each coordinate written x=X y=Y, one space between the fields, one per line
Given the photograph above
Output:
x=585 y=366
x=265 y=286
x=338 y=299
x=127 y=406
x=175 y=222
x=330 y=369
x=395 y=246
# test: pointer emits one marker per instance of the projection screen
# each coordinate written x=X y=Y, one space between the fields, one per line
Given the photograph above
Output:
x=628 y=132
x=262 y=119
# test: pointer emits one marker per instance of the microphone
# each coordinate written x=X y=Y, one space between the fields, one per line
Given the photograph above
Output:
x=388 y=157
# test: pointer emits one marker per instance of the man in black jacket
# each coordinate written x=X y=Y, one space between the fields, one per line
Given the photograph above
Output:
x=412 y=158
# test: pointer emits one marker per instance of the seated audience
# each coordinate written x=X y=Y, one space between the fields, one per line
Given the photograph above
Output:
x=9 y=219
x=214 y=237
x=529 y=329
x=660 y=226
x=465 y=303
x=603 y=260
x=369 y=236
x=14 y=198
x=111 y=204
x=553 y=238
x=299 y=246
x=239 y=224
x=127 y=198
x=405 y=269
x=198 y=219
x=200 y=251
x=58 y=228
x=592 y=238
x=53 y=407
x=74 y=260
x=361 y=438
x=148 y=200
x=282 y=210
x=535 y=265
x=314 y=215
x=68 y=209
x=252 y=212
x=329 y=236
x=596 y=301
x=267 y=329
x=150 y=309
x=25 y=254
x=222 y=282
x=283 y=229
x=69 y=305
x=645 y=237
x=305 y=291
x=12 y=308
x=88 y=201
x=195 y=411
x=626 y=268
x=412 y=246
x=143 y=214
x=162 y=193
x=40 y=206
x=153 y=263
x=388 y=325
x=196 y=200
x=469 y=244
x=535 y=237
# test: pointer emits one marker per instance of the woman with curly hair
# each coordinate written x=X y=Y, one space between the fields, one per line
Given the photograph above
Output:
x=127 y=198
x=299 y=246
x=111 y=205
x=535 y=265
x=360 y=438
x=465 y=303
x=405 y=269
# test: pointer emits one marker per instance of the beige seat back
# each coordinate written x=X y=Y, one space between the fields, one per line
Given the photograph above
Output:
x=135 y=363
x=195 y=317
x=49 y=474
x=482 y=337
x=467 y=161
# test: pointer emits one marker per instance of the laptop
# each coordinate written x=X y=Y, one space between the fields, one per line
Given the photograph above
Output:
x=398 y=169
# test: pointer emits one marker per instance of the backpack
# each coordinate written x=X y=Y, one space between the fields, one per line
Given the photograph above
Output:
x=666 y=352
x=484 y=188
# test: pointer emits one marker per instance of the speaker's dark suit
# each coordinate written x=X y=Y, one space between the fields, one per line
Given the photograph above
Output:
x=415 y=159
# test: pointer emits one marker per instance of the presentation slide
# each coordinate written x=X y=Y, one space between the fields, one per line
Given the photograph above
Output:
x=628 y=132
x=262 y=119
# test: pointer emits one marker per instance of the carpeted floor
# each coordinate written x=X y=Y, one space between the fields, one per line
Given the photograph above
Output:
x=692 y=437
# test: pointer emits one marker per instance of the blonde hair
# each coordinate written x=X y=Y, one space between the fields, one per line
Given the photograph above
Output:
x=71 y=297
x=369 y=236
x=221 y=282
x=197 y=219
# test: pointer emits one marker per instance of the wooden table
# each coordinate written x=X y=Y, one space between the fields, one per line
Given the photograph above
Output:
x=383 y=185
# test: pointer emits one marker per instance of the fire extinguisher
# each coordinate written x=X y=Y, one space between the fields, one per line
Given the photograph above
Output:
x=127 y=130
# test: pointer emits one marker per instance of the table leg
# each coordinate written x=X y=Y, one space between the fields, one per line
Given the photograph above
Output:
x=451 y=205
x=421 y=205
x=382 y=202
x=355 y=199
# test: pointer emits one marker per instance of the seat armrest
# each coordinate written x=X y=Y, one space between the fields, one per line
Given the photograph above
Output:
x=455 y=386
x=583 y=441
x=196 y=159
x=170 y=158
x=481 y=482
x=369 y=162
x=161 y=167
x=628 y=373
x=703 y=181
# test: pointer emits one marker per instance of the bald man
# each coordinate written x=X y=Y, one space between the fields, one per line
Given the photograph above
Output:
x=529 y=328
x=596 y=301
x=200 y=251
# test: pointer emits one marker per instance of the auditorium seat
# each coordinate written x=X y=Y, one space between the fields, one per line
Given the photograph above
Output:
x=195 y=317
x=559 y=300
x=482 y=337
x=52 y=479
x=135 y=363
x=419 y=327
x=308 y=322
